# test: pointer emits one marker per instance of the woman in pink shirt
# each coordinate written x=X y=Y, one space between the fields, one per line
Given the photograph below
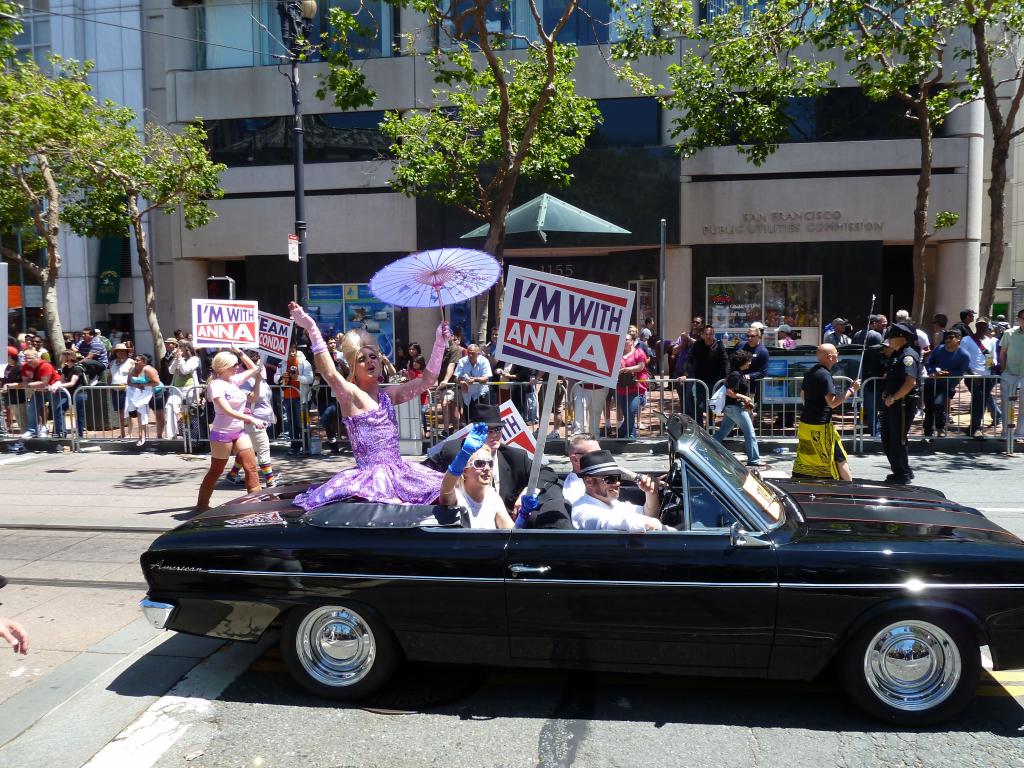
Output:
x=227 y=431
x=631 y=392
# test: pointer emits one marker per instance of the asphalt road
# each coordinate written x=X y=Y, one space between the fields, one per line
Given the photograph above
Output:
x=99 y=683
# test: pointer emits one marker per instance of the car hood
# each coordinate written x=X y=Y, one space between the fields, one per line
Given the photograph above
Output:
x=266 y=507
x=890 y=511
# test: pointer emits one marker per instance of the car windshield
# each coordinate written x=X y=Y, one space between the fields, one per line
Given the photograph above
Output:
x=723 y=464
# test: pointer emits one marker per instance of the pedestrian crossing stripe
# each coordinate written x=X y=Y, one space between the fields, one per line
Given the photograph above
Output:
x=1013 y=691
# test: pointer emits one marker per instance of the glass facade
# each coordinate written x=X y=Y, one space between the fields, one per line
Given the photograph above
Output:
x=330 y=138
x=592 y=23
x=34 y=39
x=248 y=34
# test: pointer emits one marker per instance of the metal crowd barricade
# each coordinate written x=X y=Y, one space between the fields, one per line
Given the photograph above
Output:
x=46 y=407
x=665 y=396
x=778 y=404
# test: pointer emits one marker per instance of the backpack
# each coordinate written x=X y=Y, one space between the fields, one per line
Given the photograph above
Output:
x=717 y=401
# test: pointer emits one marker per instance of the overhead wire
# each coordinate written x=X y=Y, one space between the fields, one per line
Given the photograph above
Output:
x=162 y=34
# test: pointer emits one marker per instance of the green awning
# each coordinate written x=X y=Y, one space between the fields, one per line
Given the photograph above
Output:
x=108 y=273
x=549 y=214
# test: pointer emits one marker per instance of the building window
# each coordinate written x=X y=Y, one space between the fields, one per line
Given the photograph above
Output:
x=847 y=114
x=708 y=10
x=329 y=138
x=733 y=303
x=34 y=39
x=248 y=34
x=631 y=122
x=593 y=22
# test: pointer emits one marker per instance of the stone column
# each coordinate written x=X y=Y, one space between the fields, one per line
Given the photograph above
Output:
x=958 y=262
x=678 y=289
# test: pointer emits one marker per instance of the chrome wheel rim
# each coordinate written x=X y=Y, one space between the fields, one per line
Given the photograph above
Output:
x=912 y=665
x=335 y=646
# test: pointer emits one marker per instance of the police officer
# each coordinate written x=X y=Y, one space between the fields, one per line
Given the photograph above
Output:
x=902 y=377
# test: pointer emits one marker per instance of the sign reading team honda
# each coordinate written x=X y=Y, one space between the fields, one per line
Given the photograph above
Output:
x=219 y=324
x=564 y=326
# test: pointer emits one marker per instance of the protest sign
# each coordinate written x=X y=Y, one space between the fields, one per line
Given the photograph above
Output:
x=513 y=429
x=513 y=432
x=275 y=335
x=564 y=326
x=217 y=324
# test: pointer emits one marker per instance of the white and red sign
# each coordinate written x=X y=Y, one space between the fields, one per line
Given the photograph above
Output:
x=513 y=432
x=293 y=247
x=217 y=324
x=513 y=429
x=275 y=333
x=564 y=326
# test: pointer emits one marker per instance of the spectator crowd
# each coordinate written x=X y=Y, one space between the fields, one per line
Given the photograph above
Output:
x=974 y=360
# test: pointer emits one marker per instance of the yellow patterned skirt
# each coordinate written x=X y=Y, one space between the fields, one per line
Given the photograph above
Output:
x=818 y=451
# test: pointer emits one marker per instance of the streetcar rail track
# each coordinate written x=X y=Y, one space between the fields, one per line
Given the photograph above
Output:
x=77 y=583
x=83 y=528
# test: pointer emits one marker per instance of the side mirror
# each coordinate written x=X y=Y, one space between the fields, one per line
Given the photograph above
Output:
x=739 y=537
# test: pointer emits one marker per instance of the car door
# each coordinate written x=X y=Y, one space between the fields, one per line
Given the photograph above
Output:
x=687 y=599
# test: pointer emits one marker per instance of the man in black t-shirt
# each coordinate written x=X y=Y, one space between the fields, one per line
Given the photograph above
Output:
x=820 y=452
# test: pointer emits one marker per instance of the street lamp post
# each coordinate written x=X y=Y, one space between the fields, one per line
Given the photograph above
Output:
x=296 y=16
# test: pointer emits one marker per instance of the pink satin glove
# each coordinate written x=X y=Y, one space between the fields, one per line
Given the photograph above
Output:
x=300 y=317
x=441 y=337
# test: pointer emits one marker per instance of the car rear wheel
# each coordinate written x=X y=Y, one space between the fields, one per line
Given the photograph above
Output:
x=913 y=670
x=337 y=651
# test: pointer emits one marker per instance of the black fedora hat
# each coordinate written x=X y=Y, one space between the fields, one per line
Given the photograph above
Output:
x=487 y=413
x=598 y=463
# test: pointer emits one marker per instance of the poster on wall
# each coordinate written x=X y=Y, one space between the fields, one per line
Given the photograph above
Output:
x=366 y=311
x=341 y=307
x=646 y=301
x=734 y=303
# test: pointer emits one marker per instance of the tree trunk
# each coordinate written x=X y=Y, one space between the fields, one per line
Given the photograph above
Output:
x=51 y=316
x=146 y=268
x=997 y=221
x=51 y=234
x=924 y=181
x=495 y=245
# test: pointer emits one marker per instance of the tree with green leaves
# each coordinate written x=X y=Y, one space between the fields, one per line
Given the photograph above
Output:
x=130 y=176
x=733 y=86
x=904 y=49
x=506 y=108
x=45 y=121
x=996 y=68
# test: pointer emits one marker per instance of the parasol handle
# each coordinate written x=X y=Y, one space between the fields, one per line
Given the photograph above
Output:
x=440 y=304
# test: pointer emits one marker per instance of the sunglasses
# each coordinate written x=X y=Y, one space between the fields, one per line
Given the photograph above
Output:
x=611 y=479
x=483 y=463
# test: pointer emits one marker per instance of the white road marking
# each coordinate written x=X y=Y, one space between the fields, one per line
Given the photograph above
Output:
x=157 y=729
x=1000 y=509
x=15 y=459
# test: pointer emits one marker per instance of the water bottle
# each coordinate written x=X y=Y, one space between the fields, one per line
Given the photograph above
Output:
x=778 y=450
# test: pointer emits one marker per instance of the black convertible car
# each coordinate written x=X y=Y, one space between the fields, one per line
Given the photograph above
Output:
x=898 y=586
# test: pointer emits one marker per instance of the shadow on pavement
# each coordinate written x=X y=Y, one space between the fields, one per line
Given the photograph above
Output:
x=153 y=478
x=476 y=693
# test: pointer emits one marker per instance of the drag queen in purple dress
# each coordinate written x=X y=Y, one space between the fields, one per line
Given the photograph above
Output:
x=380 y=473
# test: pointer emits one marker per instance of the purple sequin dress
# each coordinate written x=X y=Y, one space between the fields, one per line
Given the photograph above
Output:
x=380 y=474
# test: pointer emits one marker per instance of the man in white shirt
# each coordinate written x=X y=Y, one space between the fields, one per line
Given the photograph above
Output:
x=472 y=373
x=580 y=444
x=982 y=348
x=599 y=507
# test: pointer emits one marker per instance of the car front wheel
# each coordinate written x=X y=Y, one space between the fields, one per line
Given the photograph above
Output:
x=913 y=670
x=337 y=651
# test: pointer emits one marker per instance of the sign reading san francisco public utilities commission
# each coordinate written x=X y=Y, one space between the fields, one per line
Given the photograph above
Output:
x=219 y=324
x=568 y=327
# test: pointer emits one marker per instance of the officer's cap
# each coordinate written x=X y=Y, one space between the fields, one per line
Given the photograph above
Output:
x=906 y=330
